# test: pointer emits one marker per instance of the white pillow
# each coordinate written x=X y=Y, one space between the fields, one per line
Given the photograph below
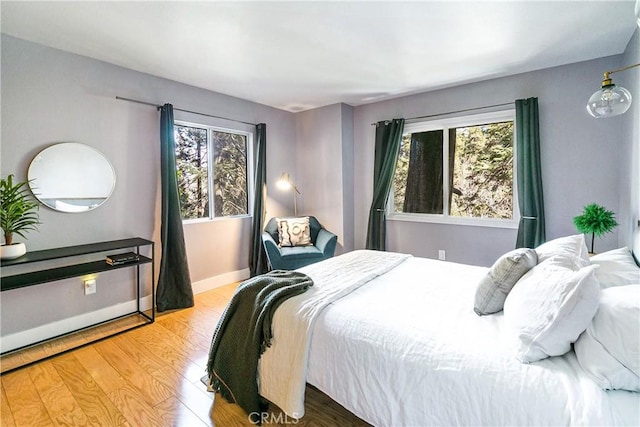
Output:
x=609 y=350
x=549 y=308
x=617 y=268
x=294 y=231
x=573 y=247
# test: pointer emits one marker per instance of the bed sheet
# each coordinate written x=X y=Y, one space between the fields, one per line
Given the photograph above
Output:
x=407 y=349
x=627 y=405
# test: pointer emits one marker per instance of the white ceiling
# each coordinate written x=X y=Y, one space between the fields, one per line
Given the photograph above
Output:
x=301 y=55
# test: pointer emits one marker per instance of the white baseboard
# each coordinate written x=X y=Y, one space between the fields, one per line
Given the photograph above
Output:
x=53 y=329
x=220 y=280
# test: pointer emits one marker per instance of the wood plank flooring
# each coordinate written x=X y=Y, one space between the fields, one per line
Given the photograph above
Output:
x=145 y=377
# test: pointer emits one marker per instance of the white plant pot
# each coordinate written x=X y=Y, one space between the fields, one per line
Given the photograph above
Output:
x=12 y=251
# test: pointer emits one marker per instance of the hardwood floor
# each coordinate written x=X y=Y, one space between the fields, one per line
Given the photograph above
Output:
x=145 y=377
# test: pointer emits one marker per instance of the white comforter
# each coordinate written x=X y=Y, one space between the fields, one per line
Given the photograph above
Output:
x=282 y=368
x=407 y=349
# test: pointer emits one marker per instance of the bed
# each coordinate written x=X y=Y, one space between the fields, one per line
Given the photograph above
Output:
x=394 y=339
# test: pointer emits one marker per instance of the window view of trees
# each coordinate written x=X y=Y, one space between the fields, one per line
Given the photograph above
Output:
x=483 y=171
x=192 y=165
x=421 y=190
x=480 y=168
x=230 y=174
x=402 y=174
x=225 y=176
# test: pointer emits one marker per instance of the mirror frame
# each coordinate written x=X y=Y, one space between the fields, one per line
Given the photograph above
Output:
x=74 y=170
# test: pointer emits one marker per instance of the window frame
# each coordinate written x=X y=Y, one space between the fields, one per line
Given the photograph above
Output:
x=210 y=171
x=444 y=124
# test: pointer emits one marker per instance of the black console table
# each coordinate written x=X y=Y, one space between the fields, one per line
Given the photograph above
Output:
x=42 y=276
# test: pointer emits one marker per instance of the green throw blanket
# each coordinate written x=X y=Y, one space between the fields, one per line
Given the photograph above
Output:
x=244 y=333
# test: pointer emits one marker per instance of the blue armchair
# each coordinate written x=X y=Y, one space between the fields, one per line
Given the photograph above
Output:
x=290 y=258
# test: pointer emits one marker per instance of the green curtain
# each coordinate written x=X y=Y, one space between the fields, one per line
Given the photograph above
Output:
x=531 y=230
x=174 y=283
x=387 y=148
x=257 y=256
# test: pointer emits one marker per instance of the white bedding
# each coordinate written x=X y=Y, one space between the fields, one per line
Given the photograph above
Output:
x=282 y=368
x=406 y=348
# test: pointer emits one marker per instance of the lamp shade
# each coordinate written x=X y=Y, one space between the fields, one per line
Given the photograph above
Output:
x=609 y=101
x=284 y=183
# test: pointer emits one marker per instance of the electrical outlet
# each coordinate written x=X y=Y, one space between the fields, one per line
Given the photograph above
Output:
x=441 y=255
x=90 y=286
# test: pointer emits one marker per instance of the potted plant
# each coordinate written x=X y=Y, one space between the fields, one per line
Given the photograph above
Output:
x=595 y=219
x=18 y=214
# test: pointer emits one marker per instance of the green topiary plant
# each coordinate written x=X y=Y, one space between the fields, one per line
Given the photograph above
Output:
x=18 y=212
x=595 y=219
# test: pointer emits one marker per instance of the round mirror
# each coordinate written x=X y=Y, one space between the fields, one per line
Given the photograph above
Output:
x=71 y=177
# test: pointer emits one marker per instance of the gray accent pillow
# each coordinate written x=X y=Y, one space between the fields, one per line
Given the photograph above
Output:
x=506 y=271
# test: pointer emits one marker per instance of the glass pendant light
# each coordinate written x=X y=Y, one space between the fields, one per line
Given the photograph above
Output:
x=610 y=100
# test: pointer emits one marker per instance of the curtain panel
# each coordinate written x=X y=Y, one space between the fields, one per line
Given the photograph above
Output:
x=387 y=148
x=257 y=255
x=174 y=282
x=531 y=230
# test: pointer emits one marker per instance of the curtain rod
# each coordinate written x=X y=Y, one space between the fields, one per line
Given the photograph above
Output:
x=453 y=112
x=180 y=109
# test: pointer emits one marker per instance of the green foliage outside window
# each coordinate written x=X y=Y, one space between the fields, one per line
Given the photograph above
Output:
x=230 y=174
x=483 y=172
x=401 y=174
x=480 y=167
x=226 y=176
x=192 y=171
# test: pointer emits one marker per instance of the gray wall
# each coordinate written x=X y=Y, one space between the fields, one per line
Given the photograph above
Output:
x=50 y=96
x=324 y=139
x=629 y=154
x=348 y=178
x=580 y=158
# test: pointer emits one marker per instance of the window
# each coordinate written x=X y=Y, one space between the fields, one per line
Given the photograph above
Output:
x=474 y=153
x=212 y=171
